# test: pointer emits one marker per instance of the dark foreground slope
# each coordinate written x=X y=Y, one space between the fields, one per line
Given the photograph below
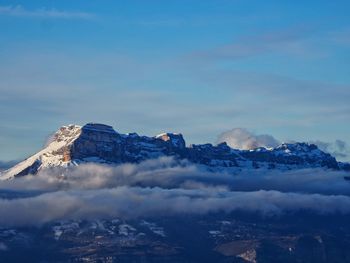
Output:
x=213 y=238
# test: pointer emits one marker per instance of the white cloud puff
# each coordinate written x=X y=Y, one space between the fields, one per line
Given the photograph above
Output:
x=240 y=138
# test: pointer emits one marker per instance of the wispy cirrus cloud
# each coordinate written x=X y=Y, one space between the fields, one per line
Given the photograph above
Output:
x=20 y=11
x=341 y=37
x=293 y=41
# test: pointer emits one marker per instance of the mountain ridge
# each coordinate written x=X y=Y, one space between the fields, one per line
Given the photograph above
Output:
x=100 y=143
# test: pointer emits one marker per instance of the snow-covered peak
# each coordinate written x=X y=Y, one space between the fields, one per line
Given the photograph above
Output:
x=54 y=154
x=298 y=146
x=300 y=149
x=67 y=133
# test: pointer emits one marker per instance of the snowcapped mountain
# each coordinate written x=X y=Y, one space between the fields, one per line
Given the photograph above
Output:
x=99 y=143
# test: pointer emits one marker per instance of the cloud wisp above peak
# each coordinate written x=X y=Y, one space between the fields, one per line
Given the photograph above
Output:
x=48 y=13
x=240 y=138
x=243 y=139
x=339 y=148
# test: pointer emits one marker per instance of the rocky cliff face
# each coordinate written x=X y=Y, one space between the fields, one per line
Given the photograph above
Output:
x=100 y=143
x=97 y=141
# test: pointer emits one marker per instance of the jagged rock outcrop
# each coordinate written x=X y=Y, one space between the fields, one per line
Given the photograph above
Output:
x=100 y=143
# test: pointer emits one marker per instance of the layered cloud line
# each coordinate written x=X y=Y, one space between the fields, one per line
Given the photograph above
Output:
x=165 y=186
x=168 y=173
x=134 y=202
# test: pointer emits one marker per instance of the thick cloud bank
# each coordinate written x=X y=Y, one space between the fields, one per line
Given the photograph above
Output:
x=131 y=202
x=243 y=139
x=165 y=187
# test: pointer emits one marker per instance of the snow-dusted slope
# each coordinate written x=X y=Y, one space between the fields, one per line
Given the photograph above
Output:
x=101 y=143
x=52 y=155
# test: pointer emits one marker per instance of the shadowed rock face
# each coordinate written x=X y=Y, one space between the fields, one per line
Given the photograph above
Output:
x=101 y=143
x=174 y=140
x=220 y=155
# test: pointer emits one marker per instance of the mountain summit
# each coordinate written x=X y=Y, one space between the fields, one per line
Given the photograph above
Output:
x=100 y=143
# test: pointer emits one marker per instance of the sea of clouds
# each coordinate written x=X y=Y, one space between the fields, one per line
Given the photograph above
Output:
x=166 y=186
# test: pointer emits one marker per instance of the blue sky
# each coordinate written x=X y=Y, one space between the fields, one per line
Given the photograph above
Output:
x=196 y=67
